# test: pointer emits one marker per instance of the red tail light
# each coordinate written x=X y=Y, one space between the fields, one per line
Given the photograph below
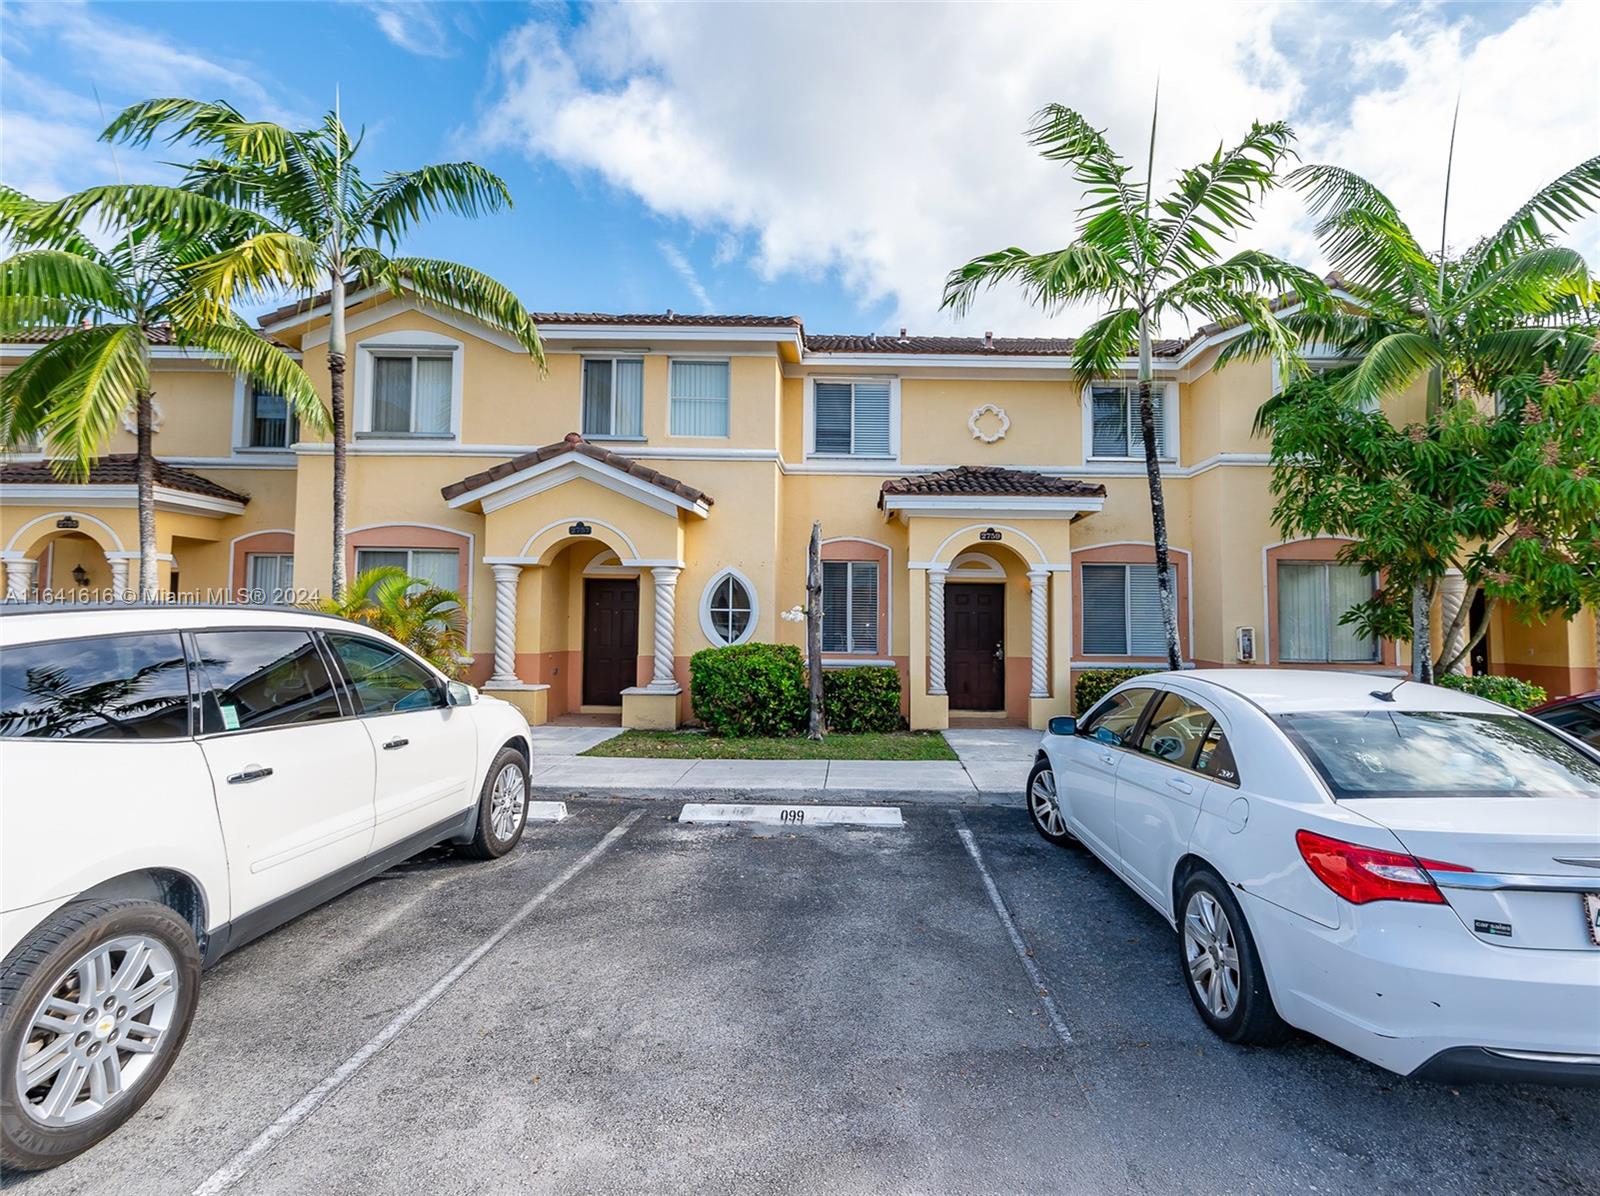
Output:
x=1362 y=874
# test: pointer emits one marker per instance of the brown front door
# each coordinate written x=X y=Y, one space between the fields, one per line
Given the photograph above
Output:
x=610 y=640
x=974 y=646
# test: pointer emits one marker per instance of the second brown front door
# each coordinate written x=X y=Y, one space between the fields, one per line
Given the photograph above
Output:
x=610 y=640
x=974 y=646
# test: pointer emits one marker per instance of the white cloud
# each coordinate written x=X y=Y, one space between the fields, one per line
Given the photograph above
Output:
x=412 y=25
x=685 y=271
x=882 y=144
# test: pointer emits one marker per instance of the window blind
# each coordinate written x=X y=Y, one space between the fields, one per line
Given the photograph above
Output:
x=871 y=419
x=431 y=413
x=629 y=414
x=1146 y=631
x=391 y=394
x=836 y=606
x=1105 y=610
x=699 y=398
x=1114 y=419
x=832 y=417
x=1312 y=597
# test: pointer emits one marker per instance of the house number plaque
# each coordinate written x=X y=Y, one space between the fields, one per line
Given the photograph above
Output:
x=580 y=529
x=989 y=534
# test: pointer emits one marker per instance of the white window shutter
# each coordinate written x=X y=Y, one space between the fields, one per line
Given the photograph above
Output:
x=864 y=606
x=871 y=419
x=1146 y=629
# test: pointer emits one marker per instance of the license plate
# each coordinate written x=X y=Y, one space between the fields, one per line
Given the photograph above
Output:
x=1591 y=914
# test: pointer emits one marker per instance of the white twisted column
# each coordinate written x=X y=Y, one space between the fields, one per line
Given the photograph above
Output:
x=936 y=578
x=666 y=674
x=19 y=577
x=505 y=623
x=119 y=579
x=1039 y=612
x=1452 y=593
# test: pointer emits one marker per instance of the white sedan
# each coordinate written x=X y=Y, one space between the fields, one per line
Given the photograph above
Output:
x=1406 y=871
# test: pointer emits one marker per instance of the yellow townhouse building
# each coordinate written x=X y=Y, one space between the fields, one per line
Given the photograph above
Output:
x=985 y=518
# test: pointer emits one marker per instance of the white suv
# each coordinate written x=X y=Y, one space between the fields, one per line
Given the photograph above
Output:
x=179 y=781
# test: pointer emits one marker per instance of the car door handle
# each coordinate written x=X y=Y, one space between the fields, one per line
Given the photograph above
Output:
x=1108 y=758
x=395 y=743
x=252 y=773
x=1180 y=786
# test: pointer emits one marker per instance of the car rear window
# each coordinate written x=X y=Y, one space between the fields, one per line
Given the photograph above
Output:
x=1414 y=753
x=107 y=687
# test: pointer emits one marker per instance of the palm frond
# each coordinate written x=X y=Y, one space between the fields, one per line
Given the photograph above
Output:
x=53 y=287
x=1063 y=135
x=255 y=268
x=1533 y=283
x=216 y=123
x=25 y=390
x=460 y=188
x=262 y=362
x=1102 y=347
x=451 y=284
x=1389 y=366
x=175 y=211
x=1366 y=241
x=1565 y=199
x=110 y=367
x=1050 y=280
x=24 y=221
x=1217 y=195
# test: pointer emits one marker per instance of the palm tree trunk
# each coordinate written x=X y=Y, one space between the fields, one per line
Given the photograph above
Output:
x=1158 y=503
x=1422 y=633
x=336 y=350
x=146 y=475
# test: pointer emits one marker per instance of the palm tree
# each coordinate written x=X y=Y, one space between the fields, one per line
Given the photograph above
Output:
x=324 y=225
x=1146 y=259
x=1513 y=303
x=427 y=619
x=106 y=307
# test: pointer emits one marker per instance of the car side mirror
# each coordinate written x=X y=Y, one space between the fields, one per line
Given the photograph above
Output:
x=1063 y=724
x=459 y=693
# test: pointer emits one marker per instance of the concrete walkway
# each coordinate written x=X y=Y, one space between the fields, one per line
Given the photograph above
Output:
x=992 y=771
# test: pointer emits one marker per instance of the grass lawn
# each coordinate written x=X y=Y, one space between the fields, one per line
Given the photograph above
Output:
x=696 y=745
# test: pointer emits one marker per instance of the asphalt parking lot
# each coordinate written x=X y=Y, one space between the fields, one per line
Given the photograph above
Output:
x=671 y=1007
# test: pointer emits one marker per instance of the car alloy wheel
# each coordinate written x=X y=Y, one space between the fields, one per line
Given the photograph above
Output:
x=508 y=799
x=1212 y=955
x=1046 y=807
x=105 y=1023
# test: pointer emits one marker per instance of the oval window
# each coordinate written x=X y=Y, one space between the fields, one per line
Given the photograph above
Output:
x=729 y=610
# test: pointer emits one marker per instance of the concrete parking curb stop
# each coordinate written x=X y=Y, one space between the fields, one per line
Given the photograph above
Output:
x=778 y=814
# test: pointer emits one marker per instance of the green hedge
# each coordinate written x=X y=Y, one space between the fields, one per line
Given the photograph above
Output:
x=866 y=698
x=1508 y=691
x=749 y=689
x=1093 y=684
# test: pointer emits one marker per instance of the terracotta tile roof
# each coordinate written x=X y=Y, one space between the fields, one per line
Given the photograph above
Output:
x=573 y=443
x=161 y=334
x=978 y=346
x=990 y=480
x=118 y=469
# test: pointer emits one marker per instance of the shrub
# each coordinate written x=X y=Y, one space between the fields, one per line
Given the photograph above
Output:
x=749 y=689
x=1093 y=684
x=1508 y=691
x=866 y=698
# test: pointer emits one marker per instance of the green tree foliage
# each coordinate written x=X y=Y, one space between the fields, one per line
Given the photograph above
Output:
x=1145 y=259
x=749 y=689
x=1508 y=496
x=1508 y=691
x=103 y=309
x=1090 y=685
x=320 y=223
x=427 y=619
x=865 y=698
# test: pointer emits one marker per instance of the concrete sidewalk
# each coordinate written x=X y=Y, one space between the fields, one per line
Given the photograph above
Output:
x=991 y=771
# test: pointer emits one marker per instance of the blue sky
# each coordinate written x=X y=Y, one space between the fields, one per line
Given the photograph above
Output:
x=831 y=162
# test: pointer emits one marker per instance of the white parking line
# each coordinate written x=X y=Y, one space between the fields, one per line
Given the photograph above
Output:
x=241 y=1163
x=781 y=815
x=1017 y=944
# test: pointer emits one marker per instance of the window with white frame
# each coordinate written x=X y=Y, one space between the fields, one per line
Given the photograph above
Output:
x=852 y=418
x=1122 y=611
x=269 y=576
x=412 y=393
x=439 y=567
x=268 y=422
x=1114 y=429
x=728 y=610
x=850 y=606
x=613 y=397
x=699 y=398
x=1312 y=597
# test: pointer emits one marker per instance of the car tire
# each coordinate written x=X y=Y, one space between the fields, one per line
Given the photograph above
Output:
x=1044 y=805
x=1221 y=966
x=113 y=1051
x=502 y=807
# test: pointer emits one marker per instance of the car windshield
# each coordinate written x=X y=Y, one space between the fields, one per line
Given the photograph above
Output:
x=1420 y=753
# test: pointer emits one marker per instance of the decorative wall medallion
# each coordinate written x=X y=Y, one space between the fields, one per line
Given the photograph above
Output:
x=130 y=418
x=989 y=423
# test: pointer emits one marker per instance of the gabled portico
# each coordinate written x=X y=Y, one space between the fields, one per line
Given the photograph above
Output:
x=583 y=542
x=994 y=547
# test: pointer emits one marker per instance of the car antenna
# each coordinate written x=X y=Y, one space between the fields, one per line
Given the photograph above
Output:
x=1387 y=695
